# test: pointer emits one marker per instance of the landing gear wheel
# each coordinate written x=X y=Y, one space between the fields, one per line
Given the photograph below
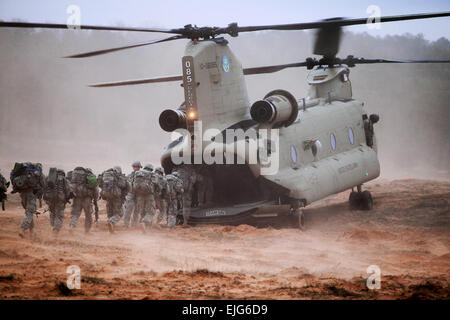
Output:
x=366 y=201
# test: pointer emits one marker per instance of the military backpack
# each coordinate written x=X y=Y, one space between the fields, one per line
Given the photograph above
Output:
x=142 y=183
x=83 y=182
x=26 y=175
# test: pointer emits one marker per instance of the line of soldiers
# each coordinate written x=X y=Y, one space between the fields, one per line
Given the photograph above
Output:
x=144 y=197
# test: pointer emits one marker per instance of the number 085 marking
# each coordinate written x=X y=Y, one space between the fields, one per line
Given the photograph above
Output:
x=188 y=71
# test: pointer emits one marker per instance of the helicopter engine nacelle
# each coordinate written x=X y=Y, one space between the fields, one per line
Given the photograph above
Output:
x=171 y=120
x=278 y=108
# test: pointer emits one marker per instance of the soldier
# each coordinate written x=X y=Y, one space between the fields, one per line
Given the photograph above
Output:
x=176 y=197
x=162 y=195
x=57 y=193
x=3 y=190
x=27 y=179
x=130 y=200
x=188 y=176
x=84 y=186
x=143 y=189
x=114 y=187
x=368 y=127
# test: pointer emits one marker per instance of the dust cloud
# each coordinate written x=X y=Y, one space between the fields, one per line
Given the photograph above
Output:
x=49 y=115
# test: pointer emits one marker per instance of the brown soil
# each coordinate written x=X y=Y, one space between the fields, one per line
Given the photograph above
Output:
x=407 y=235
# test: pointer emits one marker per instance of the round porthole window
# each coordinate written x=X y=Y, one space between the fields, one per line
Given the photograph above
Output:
x=351 y=137
x=293 y=155
x=333 y=141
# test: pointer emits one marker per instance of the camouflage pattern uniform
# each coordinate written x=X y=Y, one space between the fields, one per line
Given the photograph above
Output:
x=130 y=200
x=188 y=176
x=83 y=202
x=145 y=203
x=176 y=194
x=56 y=199
x=162 y=196
x=3 y=183
x=29 y=195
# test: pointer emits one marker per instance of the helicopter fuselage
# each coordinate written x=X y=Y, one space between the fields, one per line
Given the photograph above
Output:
x=321 y=152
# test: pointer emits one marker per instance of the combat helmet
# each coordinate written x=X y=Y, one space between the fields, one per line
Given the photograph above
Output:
x=117 y=169
x=160 y=170
x=148 y=167
x=136 y=164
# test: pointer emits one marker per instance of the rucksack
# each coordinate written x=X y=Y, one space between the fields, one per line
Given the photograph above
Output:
x=142 y=183
x=109 y=182
x=83 y=182
x=55 y=188
x=51 y=178
x=26 y=175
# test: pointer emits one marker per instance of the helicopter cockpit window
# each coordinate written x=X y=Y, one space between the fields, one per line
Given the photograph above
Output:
x=293 y=155
x=333 y=141
x=351 y=137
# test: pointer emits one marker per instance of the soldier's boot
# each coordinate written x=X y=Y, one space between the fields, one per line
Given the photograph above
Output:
x=22 y=233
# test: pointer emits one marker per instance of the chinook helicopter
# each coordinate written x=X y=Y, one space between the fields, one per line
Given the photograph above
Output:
x=326 y=143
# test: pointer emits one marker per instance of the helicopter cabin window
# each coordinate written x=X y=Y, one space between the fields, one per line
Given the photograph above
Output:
x=351 y=137
x=315 y=148
x=344 y=76
x=333 y=141
x=293 y=155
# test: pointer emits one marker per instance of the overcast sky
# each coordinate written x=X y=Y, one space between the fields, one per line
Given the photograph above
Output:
x=177 y=13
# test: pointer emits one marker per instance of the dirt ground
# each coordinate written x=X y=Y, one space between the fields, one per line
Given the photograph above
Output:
x=407 y=236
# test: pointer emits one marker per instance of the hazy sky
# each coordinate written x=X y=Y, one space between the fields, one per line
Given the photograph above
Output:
x=177 y=13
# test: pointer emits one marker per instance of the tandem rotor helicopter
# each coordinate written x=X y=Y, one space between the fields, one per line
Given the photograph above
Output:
x=326 y=140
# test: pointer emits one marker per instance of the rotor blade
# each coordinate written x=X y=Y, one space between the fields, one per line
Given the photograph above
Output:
x=137 y=81
x=140 y=44
x=370 y=61
x=6 y=24
x=271 y=69
x=341 y=22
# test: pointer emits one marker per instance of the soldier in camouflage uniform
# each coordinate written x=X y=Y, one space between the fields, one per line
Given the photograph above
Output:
x=189 y=177
x=130 y=200
x=83 y=199
x=3 y=190
x=144 y=189
x=176 y=196
x=162 y=195
x=30 y=191
x=114 y=188
x=56 y=195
